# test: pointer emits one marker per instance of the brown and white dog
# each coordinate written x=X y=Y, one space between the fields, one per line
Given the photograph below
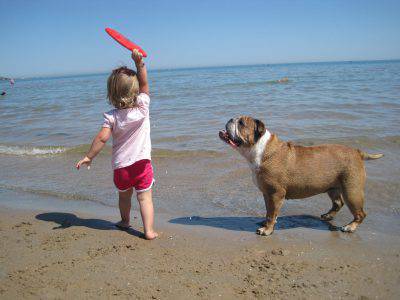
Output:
x=282 y=170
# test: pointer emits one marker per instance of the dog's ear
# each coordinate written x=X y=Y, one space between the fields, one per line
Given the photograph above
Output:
x=259 y=130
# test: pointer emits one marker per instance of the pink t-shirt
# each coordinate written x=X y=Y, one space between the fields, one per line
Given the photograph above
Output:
x=131 y=132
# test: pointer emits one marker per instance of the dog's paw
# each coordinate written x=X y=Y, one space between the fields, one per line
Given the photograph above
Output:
x=264 y=231
x=327 y=217
x=348 y=228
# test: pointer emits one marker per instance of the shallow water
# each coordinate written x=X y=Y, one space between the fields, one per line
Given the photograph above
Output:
x=48 y=124
x=320 y=100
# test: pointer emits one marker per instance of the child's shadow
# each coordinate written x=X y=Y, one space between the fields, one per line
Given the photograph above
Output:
x=252 y=223
x=66 y=220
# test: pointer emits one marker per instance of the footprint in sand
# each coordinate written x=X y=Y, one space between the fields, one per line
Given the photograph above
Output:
x=24 y=228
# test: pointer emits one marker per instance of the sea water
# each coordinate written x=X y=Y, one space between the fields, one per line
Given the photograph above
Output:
x=48 y=123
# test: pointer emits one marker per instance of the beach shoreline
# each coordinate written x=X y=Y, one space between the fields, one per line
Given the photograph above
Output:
x=56 y=226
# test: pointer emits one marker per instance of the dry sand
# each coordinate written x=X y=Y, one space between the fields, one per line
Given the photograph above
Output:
x=63 y=255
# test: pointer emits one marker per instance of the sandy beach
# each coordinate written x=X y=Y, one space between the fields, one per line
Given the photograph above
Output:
x=54 y=255
x=311 y=73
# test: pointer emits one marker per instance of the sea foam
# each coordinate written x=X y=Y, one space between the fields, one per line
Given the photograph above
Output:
x=32 y=151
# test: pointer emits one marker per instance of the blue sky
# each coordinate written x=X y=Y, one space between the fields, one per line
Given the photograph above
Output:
x=67 y=37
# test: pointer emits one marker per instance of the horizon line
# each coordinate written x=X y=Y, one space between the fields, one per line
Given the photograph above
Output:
x=204 y=67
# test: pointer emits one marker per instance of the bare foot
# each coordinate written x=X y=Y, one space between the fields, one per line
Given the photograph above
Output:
x=122 y=225
x=151 y=235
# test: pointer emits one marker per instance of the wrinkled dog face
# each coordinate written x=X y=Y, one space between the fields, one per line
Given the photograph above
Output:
x=243 y=131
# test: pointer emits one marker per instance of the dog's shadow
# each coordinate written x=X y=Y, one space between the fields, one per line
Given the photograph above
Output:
x=252 y=223
x=66 y=220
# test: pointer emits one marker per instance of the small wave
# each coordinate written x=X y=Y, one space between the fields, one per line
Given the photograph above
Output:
x=31 y=151
x=55 y=194
x=322 y=114
x=258 y=83
x=82 y=149
x=356 y=141
x=167 y=153
x=174 y=139
x=155 y=153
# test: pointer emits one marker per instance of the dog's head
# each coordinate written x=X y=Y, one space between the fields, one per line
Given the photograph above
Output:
x=243 y=132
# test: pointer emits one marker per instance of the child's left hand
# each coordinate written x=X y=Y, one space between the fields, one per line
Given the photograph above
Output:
x=85 y=161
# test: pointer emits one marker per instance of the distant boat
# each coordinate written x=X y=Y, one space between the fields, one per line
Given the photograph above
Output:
x=282 y=80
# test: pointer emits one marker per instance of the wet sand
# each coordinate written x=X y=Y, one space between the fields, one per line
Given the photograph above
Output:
x=55 y=254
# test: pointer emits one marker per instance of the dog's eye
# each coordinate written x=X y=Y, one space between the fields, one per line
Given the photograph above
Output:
x=241 y=123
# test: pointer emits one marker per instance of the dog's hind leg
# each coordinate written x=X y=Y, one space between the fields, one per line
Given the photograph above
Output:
x=353 y=195
x=337 y=203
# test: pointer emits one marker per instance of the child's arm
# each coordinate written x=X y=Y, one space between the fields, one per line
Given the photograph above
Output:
x=141 y=72
x=98 y=143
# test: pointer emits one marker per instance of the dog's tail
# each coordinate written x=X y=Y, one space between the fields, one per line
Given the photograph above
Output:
x=366 y=156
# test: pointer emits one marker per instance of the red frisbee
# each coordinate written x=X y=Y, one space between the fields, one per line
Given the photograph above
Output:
x=124 y=41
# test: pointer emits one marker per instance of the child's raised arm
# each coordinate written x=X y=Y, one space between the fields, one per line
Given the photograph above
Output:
x=141 y=72
x=98 y=143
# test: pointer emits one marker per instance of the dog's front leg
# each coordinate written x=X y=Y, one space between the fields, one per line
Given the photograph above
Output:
x=273 y=204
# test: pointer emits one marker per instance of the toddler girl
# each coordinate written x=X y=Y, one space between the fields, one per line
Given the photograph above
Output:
x=129 y=125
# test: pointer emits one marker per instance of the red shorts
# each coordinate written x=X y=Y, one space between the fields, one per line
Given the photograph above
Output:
x=139 y=175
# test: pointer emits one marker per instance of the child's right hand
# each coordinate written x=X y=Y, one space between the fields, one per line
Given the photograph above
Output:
x=85 y=161
x=137 y=56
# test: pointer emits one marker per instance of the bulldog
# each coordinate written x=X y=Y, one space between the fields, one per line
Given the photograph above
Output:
x=282 y=170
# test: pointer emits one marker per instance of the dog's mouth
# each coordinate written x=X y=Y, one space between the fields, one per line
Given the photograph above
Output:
x=223 y=135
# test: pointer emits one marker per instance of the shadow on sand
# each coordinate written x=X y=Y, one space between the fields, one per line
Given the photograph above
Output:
x=252 y=223
x=66 y=220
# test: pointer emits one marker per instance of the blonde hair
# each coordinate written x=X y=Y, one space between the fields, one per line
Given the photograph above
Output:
x=122 y=88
